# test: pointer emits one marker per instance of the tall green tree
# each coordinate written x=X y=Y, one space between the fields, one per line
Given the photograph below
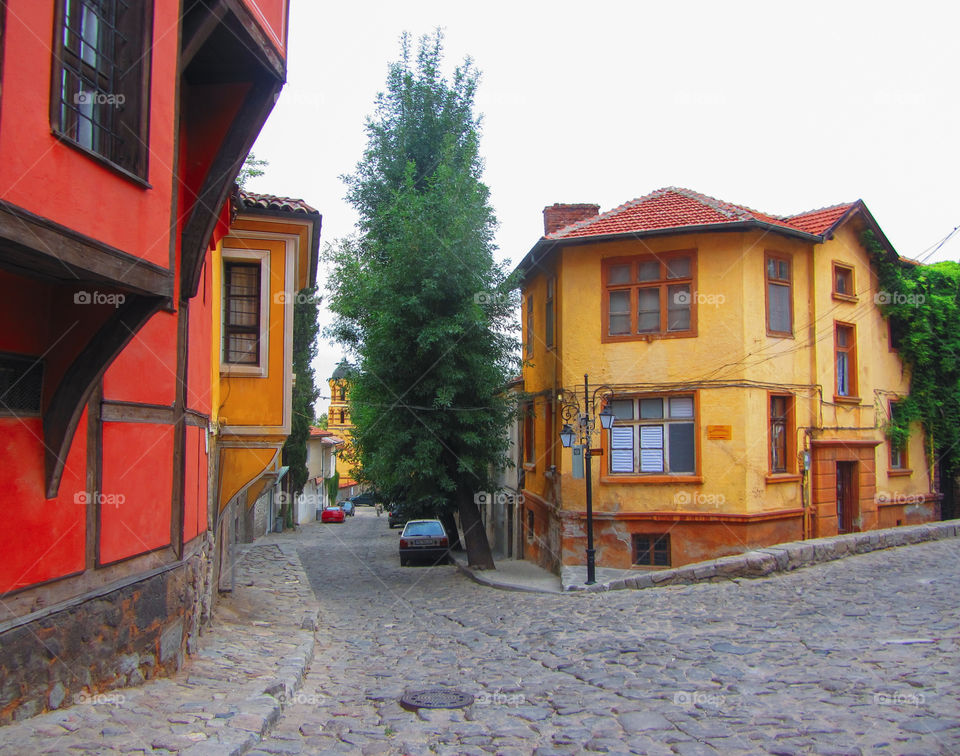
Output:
x=420 y=301
x=305 y=394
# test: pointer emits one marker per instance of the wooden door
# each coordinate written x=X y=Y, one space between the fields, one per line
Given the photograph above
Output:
x=848 y=516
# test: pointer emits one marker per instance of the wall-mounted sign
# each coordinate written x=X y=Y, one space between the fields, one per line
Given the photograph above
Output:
x=719 y=432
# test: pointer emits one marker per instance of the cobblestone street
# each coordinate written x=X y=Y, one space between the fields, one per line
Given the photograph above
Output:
x=855 y=656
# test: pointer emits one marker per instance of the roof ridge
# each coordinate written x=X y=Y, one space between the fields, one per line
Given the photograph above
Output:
x=820 y=209
x=728 y=209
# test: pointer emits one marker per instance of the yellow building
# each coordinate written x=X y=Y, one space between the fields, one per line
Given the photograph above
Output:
x=340 y=424
x=257 y=271
x=748 y=367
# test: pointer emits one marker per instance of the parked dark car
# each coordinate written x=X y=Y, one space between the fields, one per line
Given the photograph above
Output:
x=394 y=517
x=365 y=499
x=349 y=509
x=424 y=540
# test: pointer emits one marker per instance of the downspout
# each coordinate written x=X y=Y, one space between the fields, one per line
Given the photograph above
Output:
x=806 y=483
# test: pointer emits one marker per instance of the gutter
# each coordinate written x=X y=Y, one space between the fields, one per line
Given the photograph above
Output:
x=545 y=245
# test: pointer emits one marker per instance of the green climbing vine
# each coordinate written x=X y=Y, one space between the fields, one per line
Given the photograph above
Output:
x=923 y=305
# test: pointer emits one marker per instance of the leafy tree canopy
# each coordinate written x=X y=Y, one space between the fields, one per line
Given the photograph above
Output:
x=419 y=299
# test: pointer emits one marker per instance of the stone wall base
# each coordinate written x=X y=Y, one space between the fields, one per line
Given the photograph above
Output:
x=781 y=557
x=113 y=637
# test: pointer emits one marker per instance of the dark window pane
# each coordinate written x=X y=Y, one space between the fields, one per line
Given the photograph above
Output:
x=779 y=304
x=619 y=312
x=651 y=409
x=843 y=374
x=619 y=274
x=678 y=267
x=649 y=270
x=678 y=308
x=648 y=310
x=622 y=409
x=661 y=551
x=682 y=457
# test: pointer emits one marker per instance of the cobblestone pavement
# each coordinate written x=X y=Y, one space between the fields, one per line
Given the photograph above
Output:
x=856 y=656
x=230 y=693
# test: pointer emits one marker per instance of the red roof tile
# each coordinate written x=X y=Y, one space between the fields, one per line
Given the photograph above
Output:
x=675 y=207
x=254 y=201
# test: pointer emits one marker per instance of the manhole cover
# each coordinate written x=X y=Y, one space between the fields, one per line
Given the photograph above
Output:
x=438 y=698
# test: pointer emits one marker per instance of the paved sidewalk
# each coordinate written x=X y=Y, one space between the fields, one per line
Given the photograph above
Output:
x=521 y=575
x=250 y=663
x=511 y=575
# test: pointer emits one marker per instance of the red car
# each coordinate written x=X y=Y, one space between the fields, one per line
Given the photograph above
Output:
x=332 y=514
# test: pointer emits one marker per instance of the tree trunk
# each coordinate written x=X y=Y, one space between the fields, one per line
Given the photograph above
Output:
x=450 y=525
x=474 y=534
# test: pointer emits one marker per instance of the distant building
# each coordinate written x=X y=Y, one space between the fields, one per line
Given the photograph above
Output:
x=258 y=268
x=340 y=424
x=749 y=369
x=322 y=447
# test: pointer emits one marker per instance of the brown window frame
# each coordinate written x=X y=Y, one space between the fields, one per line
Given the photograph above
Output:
x=844 y=296
x=904 y=464
x=788 y=419
x=228 y=328
x=529 y=334
x=550 y=314
x=662 y=284
x=650 y=545
x=529 y=445
x=768 y=282
x=117 y=73
x=850 y=349
x=548 y=436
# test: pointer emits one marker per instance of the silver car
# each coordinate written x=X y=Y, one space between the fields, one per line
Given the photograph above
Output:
x=424 y=540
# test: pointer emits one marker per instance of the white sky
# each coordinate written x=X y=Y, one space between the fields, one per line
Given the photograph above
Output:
x=782 y=107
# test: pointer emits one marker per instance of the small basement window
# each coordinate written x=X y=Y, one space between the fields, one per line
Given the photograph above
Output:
x=651 y=549
x=21 y=384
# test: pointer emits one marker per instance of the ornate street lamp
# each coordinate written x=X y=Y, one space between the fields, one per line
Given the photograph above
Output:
x=580 y=427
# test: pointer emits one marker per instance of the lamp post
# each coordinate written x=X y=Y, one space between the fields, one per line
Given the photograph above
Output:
x=586 y=426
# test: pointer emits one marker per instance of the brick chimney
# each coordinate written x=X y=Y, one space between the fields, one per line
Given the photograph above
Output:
x=558 y=216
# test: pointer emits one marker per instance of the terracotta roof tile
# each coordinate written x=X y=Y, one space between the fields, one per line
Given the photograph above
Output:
x=254 y=201
x=675 y=207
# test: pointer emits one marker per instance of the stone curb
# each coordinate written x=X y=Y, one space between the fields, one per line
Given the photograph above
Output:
x=781 y=557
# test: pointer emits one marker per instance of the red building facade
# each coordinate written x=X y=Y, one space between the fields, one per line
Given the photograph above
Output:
x=122 y=129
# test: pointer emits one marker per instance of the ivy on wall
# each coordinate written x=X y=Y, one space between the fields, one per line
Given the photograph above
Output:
x=922 y=303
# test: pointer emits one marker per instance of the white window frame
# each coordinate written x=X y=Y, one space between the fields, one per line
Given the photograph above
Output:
x=640 y=441
x=262 y=257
